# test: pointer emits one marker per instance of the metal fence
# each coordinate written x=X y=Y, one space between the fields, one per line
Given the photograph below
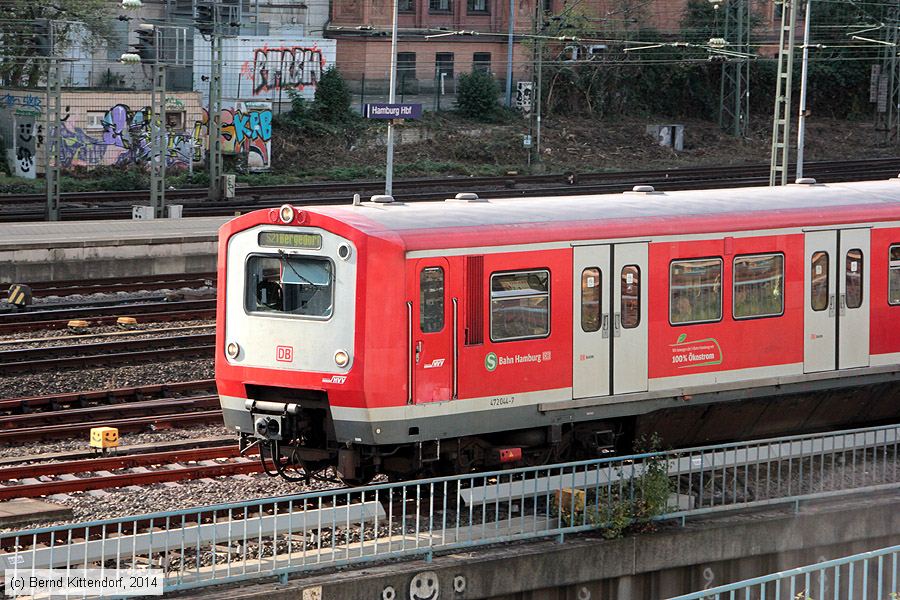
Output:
x=867 y=575
x=279 y=536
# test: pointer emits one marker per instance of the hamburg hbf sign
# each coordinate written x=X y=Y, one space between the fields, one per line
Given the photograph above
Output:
x=384 y=110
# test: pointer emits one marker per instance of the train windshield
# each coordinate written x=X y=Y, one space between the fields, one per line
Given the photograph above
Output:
x=296 y=285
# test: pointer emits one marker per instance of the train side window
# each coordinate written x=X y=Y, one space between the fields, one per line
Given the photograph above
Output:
x=758 y=286
x=431 y=299
x=520 y=305
x=853 y=278
x=894 y=275
x=591 y=301
x=819 y=281
x=631 y=296
x=695 y=291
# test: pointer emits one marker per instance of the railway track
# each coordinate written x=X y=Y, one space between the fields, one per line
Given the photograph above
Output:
x=113 y=205
x=35 y=480
x=85 y=287
x=147 y=312
x=34 y=360
x=52 y=404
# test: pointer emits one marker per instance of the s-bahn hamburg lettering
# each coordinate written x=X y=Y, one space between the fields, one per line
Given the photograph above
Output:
x=700 y=353
x=492 y=360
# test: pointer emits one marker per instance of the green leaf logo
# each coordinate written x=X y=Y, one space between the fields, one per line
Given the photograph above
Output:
x=681 y=338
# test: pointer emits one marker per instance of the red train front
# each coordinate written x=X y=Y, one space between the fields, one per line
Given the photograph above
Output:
x=445 y=336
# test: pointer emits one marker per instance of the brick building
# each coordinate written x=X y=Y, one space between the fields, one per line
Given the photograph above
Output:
x=426 y=50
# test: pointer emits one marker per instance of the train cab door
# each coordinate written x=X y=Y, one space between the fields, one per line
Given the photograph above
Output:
x=609 y=327
x=836 y=302
x=591 y=321
x=431 y=332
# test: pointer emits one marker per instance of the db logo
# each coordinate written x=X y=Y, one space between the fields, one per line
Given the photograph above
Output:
x=284 y=353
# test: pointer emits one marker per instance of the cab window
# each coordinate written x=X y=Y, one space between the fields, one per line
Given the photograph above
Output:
x=295 y=285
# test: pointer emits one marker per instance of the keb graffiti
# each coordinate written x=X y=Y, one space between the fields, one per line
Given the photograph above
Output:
x=283 y=68
x=245 y=130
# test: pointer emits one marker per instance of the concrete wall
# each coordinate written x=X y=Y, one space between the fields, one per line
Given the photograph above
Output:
x=644 y=567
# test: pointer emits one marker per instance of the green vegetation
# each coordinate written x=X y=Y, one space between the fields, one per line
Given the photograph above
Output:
x=478 y=95
x=616 y=511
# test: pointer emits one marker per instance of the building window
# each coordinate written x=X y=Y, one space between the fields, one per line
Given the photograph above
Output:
x=853 y=278
x=477 y=6
x=819 y=281
x=406 y=65
x=520 y=305
x=443 y=65
x=439 y=6
x=894 y=275
x=695 y=291
x=407 y=6
x=758 y=286
x=95 y=120
x=431 y=300
x=481 y=61
x=591 y=302
x=631 y=297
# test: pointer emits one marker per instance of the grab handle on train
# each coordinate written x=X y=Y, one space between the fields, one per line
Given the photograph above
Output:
x=831 y=305
x=605 y=328
x=843 y=304
x=617 y=325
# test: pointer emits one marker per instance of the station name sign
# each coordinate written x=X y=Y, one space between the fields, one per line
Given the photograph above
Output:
x=384 y=110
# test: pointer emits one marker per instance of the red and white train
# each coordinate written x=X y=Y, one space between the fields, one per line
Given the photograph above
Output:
x=444 y=336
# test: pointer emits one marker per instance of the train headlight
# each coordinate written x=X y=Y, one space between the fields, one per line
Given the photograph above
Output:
x=342 y=358
x=286 y=213
x=232 y=349
x=344 y=251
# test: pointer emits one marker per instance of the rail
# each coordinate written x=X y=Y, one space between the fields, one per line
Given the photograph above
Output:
x=867 y=575
x=276 y=537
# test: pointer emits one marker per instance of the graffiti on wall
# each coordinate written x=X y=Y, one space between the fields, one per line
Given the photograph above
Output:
x=283 y=68
x=25 y=147
x=131 y=131
x=246 y=130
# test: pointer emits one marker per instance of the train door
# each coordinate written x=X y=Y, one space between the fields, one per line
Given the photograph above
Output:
x=629 y=324
x=590 y=321
x=431 y=332
x=609 y=329
x=836 y=303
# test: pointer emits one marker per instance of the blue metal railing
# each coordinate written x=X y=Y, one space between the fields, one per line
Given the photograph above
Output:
x=275 y=537
x=866 y=575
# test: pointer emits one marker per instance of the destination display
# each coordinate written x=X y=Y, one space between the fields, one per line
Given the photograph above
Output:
x=283 y=239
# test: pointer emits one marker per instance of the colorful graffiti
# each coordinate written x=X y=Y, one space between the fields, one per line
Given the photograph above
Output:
x=130 y=130
x=28 y=101
x=246 y=130
x=283 y=68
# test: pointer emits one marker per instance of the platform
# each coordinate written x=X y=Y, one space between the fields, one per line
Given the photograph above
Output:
x=32 y=252
x=23 y=511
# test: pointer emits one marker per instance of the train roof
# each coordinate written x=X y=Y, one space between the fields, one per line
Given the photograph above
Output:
x=449 y=224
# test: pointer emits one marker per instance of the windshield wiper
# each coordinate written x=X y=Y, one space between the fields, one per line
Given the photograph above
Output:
x=285 y=260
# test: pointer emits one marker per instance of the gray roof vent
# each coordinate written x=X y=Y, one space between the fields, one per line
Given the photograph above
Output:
x=466 y=197
x=381 y=199
x=643 y=189
x=806 y=181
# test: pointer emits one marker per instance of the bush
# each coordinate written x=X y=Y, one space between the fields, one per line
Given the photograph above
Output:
x=331 y=102
x=478 y=95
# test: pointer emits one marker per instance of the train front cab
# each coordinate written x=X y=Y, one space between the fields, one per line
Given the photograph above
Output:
x=288 y=316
